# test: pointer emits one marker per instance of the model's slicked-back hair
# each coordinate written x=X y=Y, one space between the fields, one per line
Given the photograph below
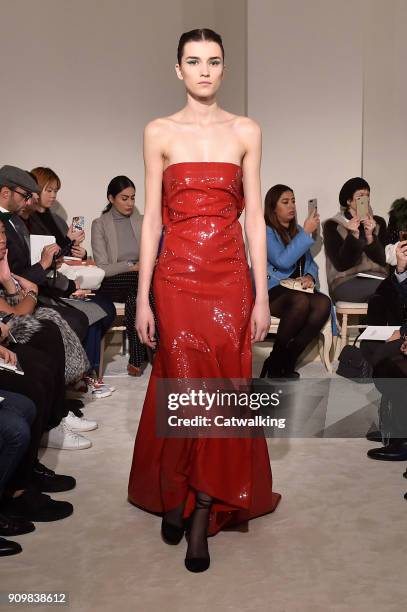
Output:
x=196 y=36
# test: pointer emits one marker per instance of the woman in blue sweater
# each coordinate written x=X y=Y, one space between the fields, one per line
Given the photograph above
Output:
x=302 y=314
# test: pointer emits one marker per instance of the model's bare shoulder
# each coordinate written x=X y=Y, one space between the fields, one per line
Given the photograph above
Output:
x=156 y=127
x=247 y=127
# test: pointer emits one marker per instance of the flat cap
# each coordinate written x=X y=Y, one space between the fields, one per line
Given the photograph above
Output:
x=11 y=176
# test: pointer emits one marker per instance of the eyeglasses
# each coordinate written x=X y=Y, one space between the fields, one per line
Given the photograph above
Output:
x=25 y=196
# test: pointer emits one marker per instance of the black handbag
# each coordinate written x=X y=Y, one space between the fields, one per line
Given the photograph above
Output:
x=352 y=364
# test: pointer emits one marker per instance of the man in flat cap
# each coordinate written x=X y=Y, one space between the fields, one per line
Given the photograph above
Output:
x=16 y=190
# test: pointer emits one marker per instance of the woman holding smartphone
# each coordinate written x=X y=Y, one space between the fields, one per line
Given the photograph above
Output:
x=355 y=246
x=302 y=312
x=42 y=219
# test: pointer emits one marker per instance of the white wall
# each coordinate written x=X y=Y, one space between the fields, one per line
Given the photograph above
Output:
x=305 y=89
x=83 y=77
x=385 y=107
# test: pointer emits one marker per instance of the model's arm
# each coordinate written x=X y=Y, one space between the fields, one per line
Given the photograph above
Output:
x=154 y=139
x=255 y=228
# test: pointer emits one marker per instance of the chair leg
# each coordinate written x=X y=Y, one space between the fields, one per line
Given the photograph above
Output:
x=325 y=346
x=102 y=355
x=344 y=331
x=124 y=342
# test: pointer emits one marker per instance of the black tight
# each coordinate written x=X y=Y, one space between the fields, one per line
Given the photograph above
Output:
x=302 y=315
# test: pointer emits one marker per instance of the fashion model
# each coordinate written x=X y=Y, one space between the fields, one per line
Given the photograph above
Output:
x=202 y=167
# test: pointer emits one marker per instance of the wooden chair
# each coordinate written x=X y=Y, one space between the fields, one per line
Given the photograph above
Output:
x=324 y=341
x=345 y=309
x=117 y=326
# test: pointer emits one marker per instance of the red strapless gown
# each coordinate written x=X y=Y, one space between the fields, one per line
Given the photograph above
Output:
x=204 y=299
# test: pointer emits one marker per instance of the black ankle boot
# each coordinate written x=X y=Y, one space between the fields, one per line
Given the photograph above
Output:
x=171 y=534
x=197 y=558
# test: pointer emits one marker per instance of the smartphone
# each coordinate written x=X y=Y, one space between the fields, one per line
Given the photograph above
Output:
x=402 y=235
x=362 y=207
x=7 y=317
x=312 y=206
x=78 y=223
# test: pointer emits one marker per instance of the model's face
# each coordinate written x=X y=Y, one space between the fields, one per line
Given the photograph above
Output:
x=201 y=68
x=285 y=208
x=3 y=241
x=358 y=194
x=124 y=201
x=48 y=195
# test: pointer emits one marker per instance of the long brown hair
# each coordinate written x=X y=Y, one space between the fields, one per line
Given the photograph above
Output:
x=270 y=202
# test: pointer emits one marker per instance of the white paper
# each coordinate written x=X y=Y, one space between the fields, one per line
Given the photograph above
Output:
x=7 y=366
x=378 y=332
x=365 y=275
x=37 y=243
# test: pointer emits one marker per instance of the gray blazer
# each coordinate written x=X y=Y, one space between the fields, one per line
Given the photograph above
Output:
x=104 y=242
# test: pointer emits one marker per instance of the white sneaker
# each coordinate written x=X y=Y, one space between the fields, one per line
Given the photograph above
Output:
x=79 y=423
x=63 y=438
x=100 y=392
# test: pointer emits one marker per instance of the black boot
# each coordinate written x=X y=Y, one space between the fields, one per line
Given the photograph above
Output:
x=395 y=451
x=197 y=558
x=173 y=526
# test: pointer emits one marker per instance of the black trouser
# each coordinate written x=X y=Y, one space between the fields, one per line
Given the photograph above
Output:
x=385 y=305
x=357 y=289
x=123 y=288
x=390 y=378
x=43 y=362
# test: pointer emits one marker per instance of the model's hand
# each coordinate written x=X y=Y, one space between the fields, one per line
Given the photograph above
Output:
x=353 y=226
x=311 y=223
x=395 y=336
x=307 y=282
x=8 y=356
x=260 y=321
x=145 y=325
x=401 y=256
x=47 y=255
x=25 y=284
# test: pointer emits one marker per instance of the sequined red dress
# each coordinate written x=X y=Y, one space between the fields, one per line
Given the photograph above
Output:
x=204 y=299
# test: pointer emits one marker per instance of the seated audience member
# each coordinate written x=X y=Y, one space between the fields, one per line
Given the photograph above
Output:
x=116 y=246
x=389 y=362
x=19 y=297
x=46 y=222
x=354 y=246
x=302 y=314
x=388 y=305
x=16 y=190
x=42 y=360
x=100 y=311
x=390 y=378
x=17 y=413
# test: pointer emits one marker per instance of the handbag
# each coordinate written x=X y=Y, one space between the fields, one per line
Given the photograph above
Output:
x=352 y=364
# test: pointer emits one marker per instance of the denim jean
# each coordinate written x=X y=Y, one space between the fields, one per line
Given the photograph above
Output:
x=17 y=412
